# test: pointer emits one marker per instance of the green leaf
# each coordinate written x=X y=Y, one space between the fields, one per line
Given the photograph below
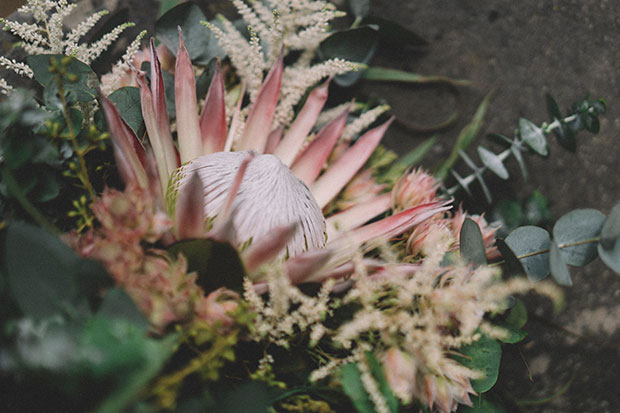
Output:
x=533 y=136
x=354 y=388
x=385 y=74
x=416 y=155
x=493 y=162
x=558 y=267
x=565 y=136
x=355 y=45
x=359 y=8
x=386 y=391
x=127 y=101
x=466 y=137
x=395 y=35
x=537 y=209
x=117 y=305
x=580 y=227
x=611 y=257
x=217 y=263
x=509 y=215
x=471 y=243
x=200 y=42
x=40 y=271
x=592 y=123
x=483 y=355
x=611 y=228
x=527 y=240
x=517 y=315
x=84 y=89
x=552 y=108
x=249 y=397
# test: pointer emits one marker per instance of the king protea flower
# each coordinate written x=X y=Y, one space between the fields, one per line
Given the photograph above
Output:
x=254 y=185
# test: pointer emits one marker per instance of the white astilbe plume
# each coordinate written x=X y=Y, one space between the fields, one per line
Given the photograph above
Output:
x=47 y=35
x=5 y=88
x=362 y=122
x=122 y=67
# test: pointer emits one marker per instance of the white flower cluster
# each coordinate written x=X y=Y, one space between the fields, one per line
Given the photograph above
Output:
x=47 y=35
x=280 y=26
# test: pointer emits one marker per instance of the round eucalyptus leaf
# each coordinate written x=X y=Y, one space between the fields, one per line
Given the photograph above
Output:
x=611 y=257
x=531 y=246
x=559 y=270
x=573 y=231
x=611 y=229
x=483 y=355
x=493 y=162
x=533 y=136
x=471 y=243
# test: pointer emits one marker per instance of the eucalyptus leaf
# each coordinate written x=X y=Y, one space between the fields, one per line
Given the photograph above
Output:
x=565 y=136
x=354 y=388
x=533 y=136
x=200 y=42
x=84 y=89
x=558 y=267
x=217 y=263
x=471 y=243
x=355 y=45
x=517 y=315
x=484 y=356
x=530 y=245
x=493 y=162
x=127 y=101
x=385 y=74
x=117 y=305
x=611 y=257
x=576 y=233
x=395 y=35
x=611 y=229
x=552 y=107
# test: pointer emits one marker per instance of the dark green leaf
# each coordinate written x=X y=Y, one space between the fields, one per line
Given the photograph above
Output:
x=509 y=215
x=117 y=305
x=385 y=74
x=40 y=270
x=127 y=101
x=531 y=245
x=611 y=228
x=249 y=397
x=533 y=136
x=592 y=123
x=513 y=335
x=85 y=89
x=204 y=80
x=386 y=391
x=217 y=263
x=471 y=243
x=566 y=136
x=394 y=35
x=355 y=45
x=517 y=315
x=200 y=42
x=515 y=149
x=354 y=388
x=483 y=355
x=552 y=108
x=359 y=8
x=417 y=154
x=611 y=257
x=580 y=227
x=537 y=209
x=493 y=162
x=558 y=267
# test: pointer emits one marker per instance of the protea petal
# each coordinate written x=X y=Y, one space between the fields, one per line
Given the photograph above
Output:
x=163 y=147
x=268 y=196
x=268 y=247
x=189 y=215
x=357 y=215
x=347 y=244
x=294 y=139
x=301 y=267
x=236 y=120
x=258 y=124
x=310 y=162
x=274 y=139
x=213 y=115
x=158 y=91
x=188 y=129
x=344 y=168
x=128 y=151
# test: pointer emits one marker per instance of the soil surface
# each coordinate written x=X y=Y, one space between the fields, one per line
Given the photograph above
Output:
x=570 y=361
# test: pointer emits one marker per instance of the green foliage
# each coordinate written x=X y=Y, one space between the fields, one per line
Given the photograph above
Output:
x=471 y=243
x=127 y=101
x=54 y=71
x=512 y=214
x=583 y=115
x=512 y=322
x=483 y=355
x=200 y=42
x=354 y=388
x=577 y=241
x=217 y=263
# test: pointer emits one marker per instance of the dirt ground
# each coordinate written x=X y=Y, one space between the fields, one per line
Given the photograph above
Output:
x=570 y=362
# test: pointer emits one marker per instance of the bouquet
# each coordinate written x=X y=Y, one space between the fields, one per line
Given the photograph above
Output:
x=204 y=227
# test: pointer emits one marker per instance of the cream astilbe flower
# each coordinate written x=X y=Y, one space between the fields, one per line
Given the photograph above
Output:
x=247 y=195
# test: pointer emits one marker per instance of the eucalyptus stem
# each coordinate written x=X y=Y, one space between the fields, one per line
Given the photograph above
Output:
x=82 y=175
